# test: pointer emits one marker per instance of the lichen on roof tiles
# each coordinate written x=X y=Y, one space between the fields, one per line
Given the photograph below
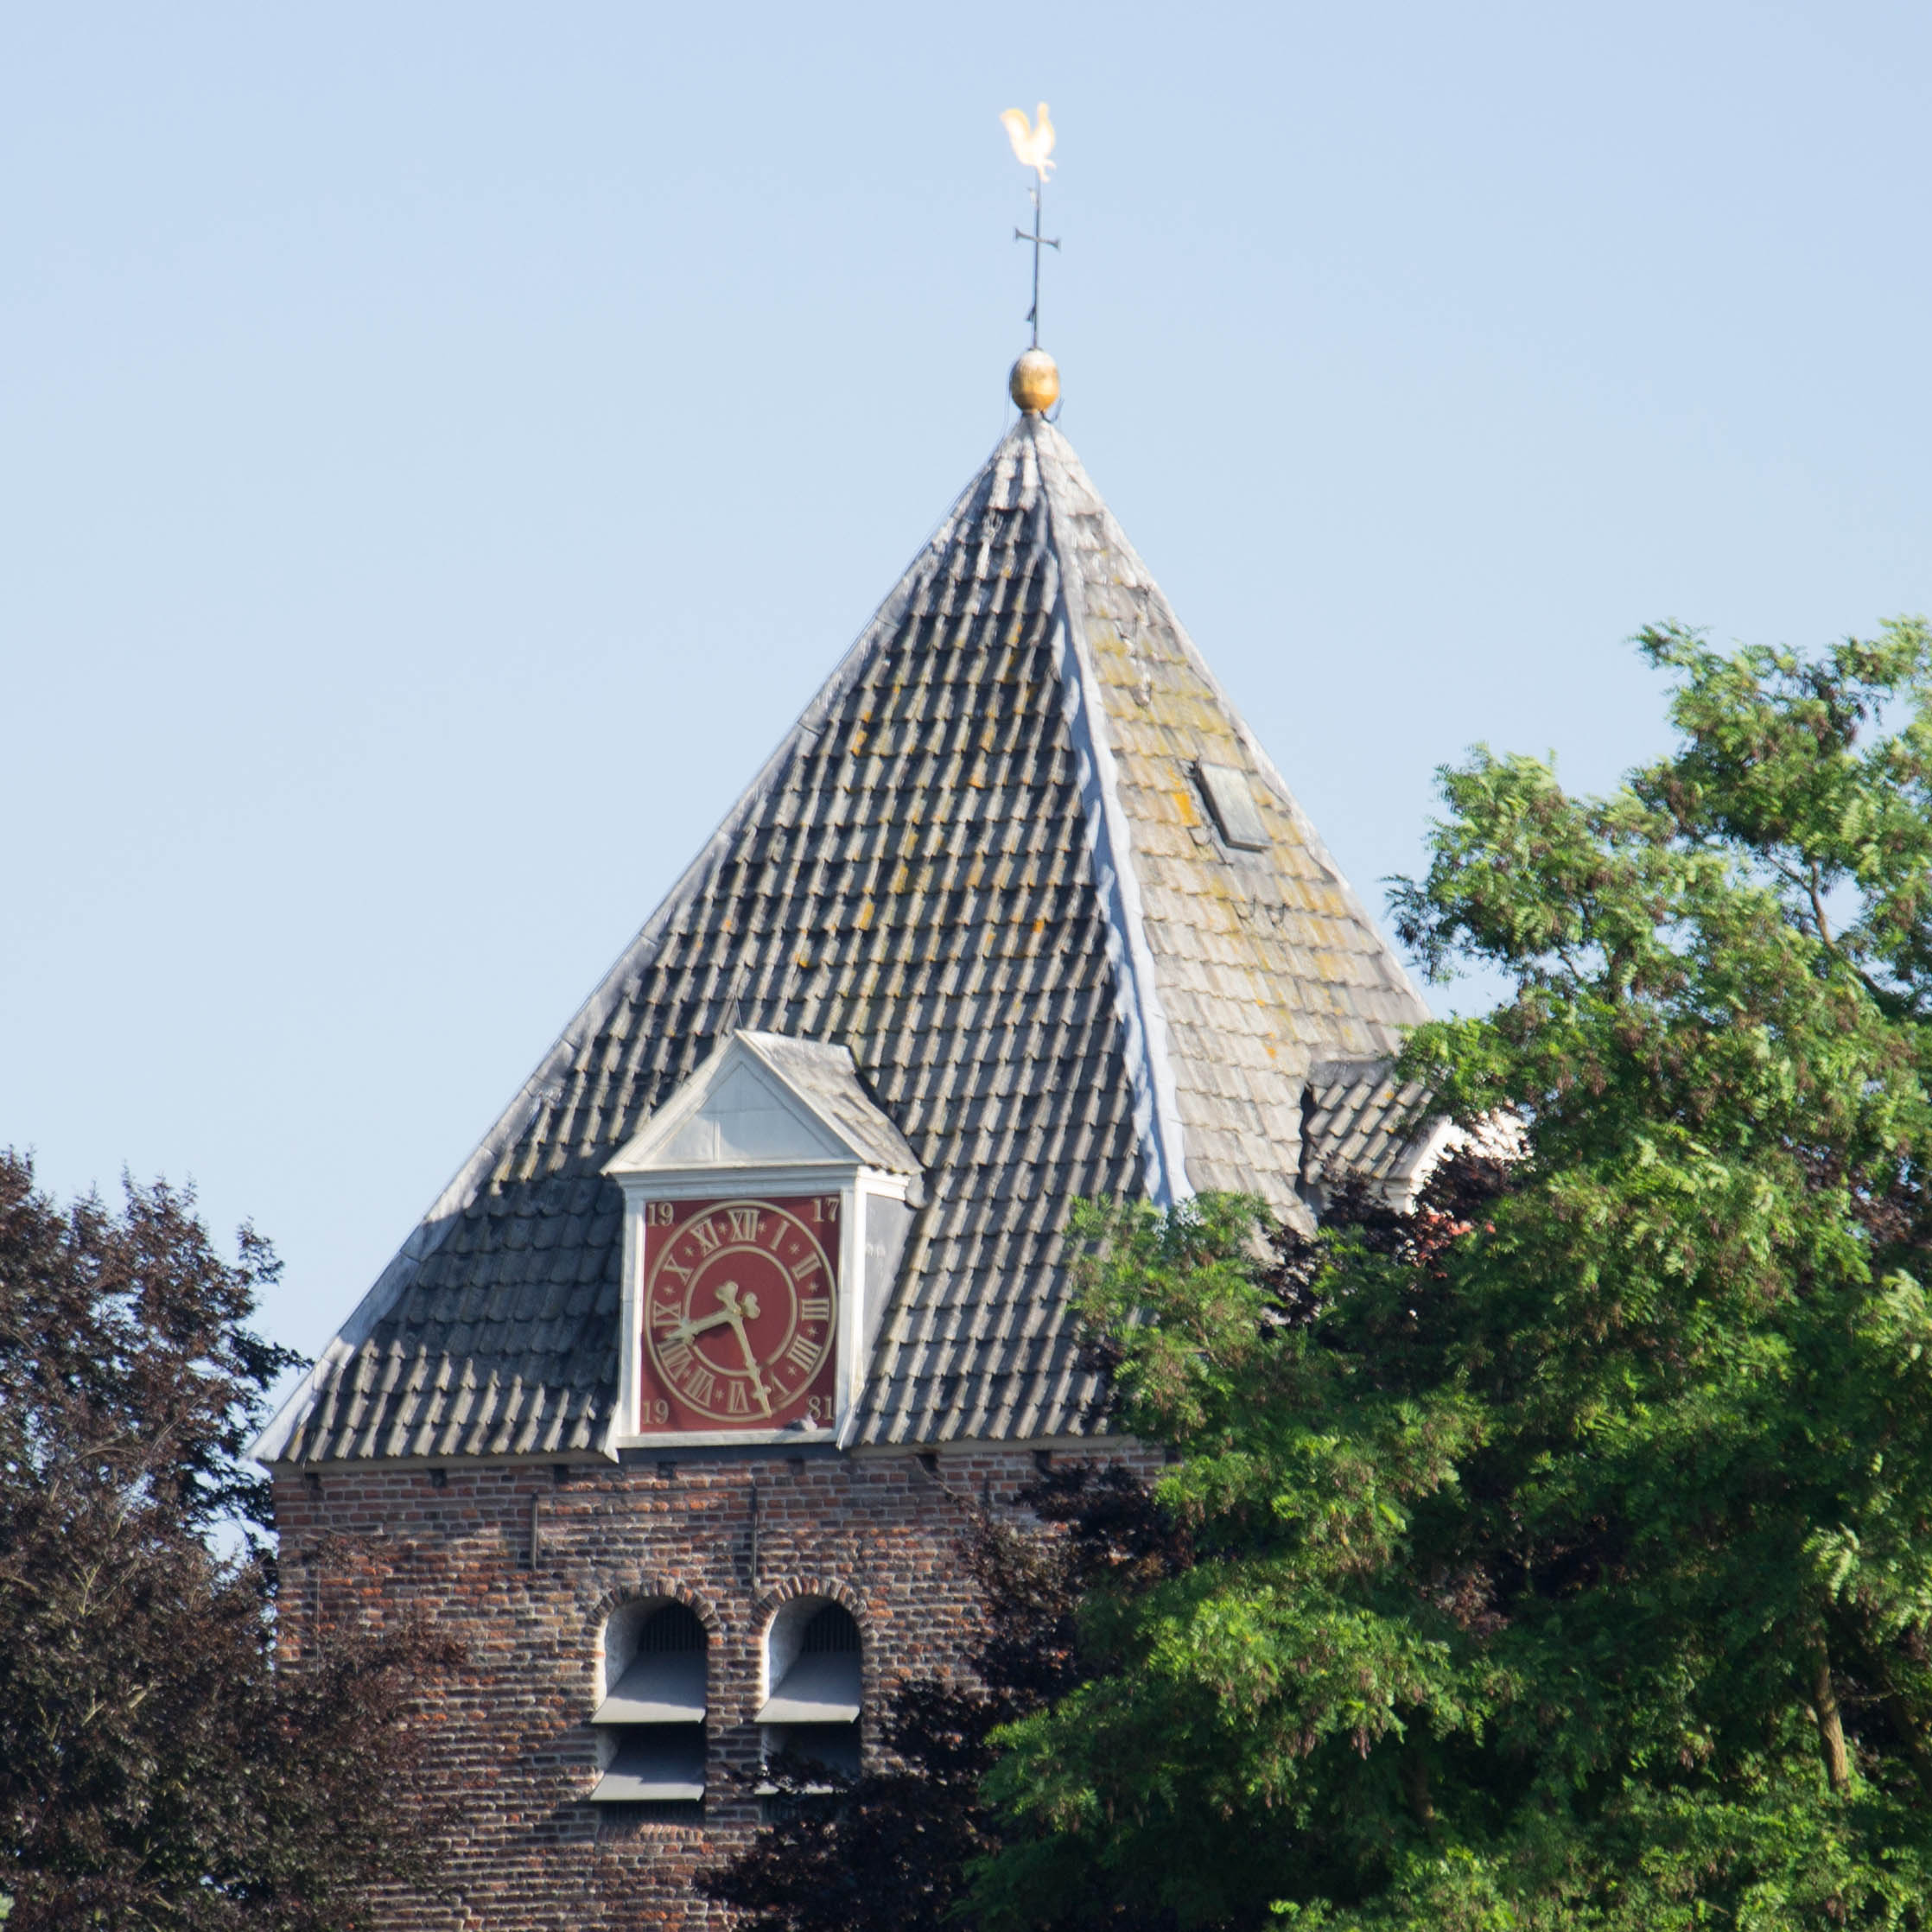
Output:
x=982 y=863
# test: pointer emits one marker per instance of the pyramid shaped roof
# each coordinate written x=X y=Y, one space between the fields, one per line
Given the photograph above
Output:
x=1023 y=859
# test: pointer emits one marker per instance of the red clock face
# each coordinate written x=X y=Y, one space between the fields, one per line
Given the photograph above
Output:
x=740 y=1314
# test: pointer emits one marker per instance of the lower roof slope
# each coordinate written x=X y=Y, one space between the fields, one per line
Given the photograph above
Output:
x=979 y=861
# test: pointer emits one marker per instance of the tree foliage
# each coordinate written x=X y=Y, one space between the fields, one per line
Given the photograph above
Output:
x=1562 y=1552
x=156 y=1768
x=892 y=1851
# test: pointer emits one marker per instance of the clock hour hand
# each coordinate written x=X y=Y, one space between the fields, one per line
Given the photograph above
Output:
x=728 y=1294
x=686 y=1329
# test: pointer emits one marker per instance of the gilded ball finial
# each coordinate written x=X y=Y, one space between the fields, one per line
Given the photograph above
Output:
x=1034 y=384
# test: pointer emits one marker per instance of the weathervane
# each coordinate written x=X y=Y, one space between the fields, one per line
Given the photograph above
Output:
x=1033 y=142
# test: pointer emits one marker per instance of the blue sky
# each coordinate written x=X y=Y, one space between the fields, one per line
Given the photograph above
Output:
x=441 y=447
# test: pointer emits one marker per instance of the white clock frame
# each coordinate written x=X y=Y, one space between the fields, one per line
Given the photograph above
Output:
x=766 y=1118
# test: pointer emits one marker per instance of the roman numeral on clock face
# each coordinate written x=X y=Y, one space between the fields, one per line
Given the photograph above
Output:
x=706 y=1236
x=815 y=1307
x=738 y=1402
x=802 y=1353
x=743 y=1224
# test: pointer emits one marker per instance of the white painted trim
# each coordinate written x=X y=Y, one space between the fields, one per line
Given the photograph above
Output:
x=855 y=1185
x=846 y=1371
x=693 y=1183
x=725 y=1439
x=639 y=1154
x=852 y=1299
x=1109 y=843
x=630 y=1319
x=872 y=1185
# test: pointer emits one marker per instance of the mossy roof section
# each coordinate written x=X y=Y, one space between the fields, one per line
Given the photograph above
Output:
x=982 y=861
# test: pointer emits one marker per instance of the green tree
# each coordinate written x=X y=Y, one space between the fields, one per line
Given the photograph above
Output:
x=892 y=1851
x=1563 y=1550
x=157 y=1769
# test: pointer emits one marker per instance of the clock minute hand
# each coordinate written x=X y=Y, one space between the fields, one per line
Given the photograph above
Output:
x=751 y=1362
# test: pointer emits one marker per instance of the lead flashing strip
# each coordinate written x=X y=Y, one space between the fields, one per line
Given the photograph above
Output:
x=1136 y=1000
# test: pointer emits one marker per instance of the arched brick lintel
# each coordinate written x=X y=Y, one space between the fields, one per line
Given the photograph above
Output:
x=789 y=1589
x=659 y=1589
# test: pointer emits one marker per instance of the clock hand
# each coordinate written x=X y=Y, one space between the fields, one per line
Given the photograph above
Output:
x=746 y=1305
x=732 y=1311
x=686 y=1329
x=728 y=1294
x=751 y=1362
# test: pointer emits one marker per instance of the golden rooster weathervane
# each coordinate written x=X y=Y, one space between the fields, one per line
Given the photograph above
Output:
x=1033 y=142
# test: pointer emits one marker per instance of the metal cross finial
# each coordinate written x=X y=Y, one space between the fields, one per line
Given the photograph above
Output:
x=1032 y=142
x=1040 y=241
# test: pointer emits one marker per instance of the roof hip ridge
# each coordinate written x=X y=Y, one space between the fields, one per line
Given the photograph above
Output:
x=1137 y=1003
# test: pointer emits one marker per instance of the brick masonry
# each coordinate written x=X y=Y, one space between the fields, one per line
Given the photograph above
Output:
x=510 y=1739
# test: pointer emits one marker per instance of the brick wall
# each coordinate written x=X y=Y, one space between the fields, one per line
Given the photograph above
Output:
x=509 y=1736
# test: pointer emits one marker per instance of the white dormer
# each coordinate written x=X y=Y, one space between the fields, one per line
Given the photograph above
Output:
x=766 y=1204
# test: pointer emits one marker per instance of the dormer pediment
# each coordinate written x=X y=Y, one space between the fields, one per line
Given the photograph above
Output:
x=765 y=1101
x=745 y=1118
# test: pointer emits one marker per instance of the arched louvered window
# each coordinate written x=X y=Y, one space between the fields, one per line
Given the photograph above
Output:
x=651 y=1723
x=813 y=1674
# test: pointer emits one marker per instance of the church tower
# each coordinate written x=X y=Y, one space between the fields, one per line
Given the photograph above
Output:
x=671 y=1406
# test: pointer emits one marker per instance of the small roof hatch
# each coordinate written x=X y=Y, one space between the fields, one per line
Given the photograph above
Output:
x=1230 y=797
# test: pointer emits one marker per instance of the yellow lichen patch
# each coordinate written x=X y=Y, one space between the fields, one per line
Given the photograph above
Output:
x=1185 y=805
x=858 y=742
x=901 y=880
x=864 y=920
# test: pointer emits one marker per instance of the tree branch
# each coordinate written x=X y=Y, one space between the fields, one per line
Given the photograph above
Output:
x=1831 y=1723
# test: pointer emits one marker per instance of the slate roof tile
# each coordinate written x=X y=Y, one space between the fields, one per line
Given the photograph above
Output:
x=982 y=863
